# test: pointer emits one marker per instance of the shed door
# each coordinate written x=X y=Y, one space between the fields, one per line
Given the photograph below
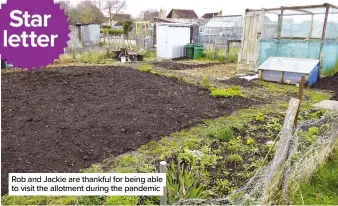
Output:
x=161 y=41
x=177 y=39
x=250 y=50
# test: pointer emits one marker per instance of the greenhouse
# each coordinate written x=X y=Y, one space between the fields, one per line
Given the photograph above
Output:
x=220 y=29
x=308 y=32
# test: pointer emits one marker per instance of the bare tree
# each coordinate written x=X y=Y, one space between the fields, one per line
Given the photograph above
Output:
x=87 y=13
x=114 y=7
x=99 y=4
x=69 y=10
x=150 y=14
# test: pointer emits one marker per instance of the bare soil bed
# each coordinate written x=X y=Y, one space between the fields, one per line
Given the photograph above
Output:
x=239 y=82
x=64 y=120
x=329 y=83
x=177 y=65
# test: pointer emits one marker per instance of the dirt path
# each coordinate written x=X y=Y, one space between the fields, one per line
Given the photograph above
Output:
x=177 y=65
x=64 y=120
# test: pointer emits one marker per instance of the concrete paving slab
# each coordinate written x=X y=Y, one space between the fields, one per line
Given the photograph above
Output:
x=327 y=104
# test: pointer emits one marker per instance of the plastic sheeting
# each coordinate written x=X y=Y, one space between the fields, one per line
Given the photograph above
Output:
x=301 y=33
x=304 y=66
x=309 y=49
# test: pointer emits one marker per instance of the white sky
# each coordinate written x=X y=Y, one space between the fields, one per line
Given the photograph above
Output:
x=229 y=7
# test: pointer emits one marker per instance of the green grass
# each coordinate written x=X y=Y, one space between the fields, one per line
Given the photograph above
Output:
x=310 y=96
x=230 y=92
x=222 y=133
x=322 y=189
x=38 y=200
x=147 y=68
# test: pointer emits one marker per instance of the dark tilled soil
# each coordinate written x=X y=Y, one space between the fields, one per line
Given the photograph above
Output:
x=239 y=82
x=64 y=120
x=329 y=83
x=176 y=65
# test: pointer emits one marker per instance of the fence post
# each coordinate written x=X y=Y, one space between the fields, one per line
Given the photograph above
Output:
x=300 y=96
x=163 y=169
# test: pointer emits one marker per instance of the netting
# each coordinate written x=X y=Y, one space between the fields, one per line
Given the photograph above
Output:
x=295 y=161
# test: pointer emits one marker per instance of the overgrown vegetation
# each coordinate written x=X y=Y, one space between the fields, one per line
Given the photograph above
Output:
x=310 y=135
x=322 y=189
x=94 y=57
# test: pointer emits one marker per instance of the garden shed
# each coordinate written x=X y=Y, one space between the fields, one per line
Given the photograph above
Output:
x=307 y=32
x=171 y=39
x=89 y=34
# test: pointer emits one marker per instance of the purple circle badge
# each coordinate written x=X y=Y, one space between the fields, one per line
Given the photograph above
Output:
x=33 y=32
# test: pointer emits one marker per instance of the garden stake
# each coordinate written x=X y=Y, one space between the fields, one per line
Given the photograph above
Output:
x=300 y=96
x=163 y=169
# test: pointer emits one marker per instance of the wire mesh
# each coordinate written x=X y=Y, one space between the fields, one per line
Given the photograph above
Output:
x=294 y=162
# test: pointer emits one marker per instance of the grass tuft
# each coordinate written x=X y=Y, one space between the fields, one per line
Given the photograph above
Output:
x=205 y=83
x=221 y=133
x=230 y=92
x=147 y=68
x=235 y=158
